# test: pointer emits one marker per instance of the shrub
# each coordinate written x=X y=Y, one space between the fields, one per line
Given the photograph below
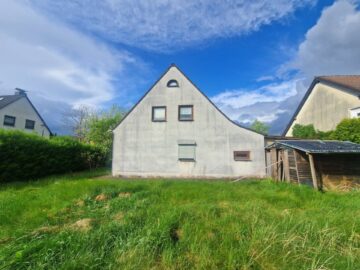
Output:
x=27 y=156
x=347 y=130
x=304 y=131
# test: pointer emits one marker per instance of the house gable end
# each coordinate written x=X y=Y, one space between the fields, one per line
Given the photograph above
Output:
x=316 y=81
x=173 y=72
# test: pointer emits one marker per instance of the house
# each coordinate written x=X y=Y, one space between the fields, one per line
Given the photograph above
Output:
x=17 y=112
x=176 y=131
x=328 y=100
x=320 y=164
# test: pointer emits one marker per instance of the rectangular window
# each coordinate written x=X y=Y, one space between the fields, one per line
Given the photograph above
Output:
x=241 y=155
x=29 y=124
x=187 y=150
x=186 y=113
x=159 y=114
x=9 y=120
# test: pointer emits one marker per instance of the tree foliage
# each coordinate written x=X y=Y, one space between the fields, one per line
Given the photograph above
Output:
x=304 y=131
x=346 y=130
x=100 y=126
x=260 y=127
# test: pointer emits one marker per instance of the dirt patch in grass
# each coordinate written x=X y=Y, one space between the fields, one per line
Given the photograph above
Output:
x=80 y=203
x=119 y=216
x=101 y=197
x=46 y=229
x=124 y=194
x=83 y=225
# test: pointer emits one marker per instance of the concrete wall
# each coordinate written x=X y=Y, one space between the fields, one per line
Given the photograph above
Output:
x=145 y=148
x=23 y=110
x=325 y=107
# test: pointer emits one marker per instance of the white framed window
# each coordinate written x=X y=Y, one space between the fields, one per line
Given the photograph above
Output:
x=355 y=112
x=158 y=114
x=187 y=150
x=186 y=113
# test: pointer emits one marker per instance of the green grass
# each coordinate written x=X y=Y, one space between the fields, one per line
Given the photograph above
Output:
x=176 y=225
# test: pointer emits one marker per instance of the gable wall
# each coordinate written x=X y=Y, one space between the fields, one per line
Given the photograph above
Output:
x=325 y=107
x=146 y=148
x=23 y=110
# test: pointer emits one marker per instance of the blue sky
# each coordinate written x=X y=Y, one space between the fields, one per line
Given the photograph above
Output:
x=254 y=59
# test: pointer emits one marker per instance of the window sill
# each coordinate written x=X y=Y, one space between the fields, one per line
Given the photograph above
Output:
x=186 y=159
x=158 y=121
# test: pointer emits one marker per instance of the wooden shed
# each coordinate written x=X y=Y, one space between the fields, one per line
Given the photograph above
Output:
x=320 y=164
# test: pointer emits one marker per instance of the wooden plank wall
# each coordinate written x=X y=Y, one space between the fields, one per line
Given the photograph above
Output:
x=303 y=167
x=292 y=166
x=339 y=170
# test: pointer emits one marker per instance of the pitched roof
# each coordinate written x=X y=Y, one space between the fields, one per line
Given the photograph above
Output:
x=351 y=82
x=6 y=100
x=318 y=146
x=197 y=88
x=348 y=81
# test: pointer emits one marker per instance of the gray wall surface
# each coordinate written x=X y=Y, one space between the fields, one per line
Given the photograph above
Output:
x=23 y=110
x=145 y=148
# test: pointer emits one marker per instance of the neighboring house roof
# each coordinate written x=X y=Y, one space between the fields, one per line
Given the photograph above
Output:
x=351 y=82
x=9 y=99
x=6 y=100
x=318 y=146
x=348 y=81
x=197 y=88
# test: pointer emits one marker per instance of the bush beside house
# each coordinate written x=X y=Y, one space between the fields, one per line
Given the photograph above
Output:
x=346 y=130
x=27 y=156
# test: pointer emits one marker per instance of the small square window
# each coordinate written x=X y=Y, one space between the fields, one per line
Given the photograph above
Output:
x=242 y=155
x=9 y=120
x=187 y=150
x=186 y=113
x=159 y=114
x=29 y=124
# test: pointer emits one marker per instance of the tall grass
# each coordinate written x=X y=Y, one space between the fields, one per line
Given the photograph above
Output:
x=162 y=224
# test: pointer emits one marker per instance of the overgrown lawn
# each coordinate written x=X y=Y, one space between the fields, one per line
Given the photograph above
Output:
x=75 y=222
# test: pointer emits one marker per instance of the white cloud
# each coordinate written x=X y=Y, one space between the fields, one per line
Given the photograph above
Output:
x=55 y=63
x=263 y=103
x=332 y=46
x=169 y=24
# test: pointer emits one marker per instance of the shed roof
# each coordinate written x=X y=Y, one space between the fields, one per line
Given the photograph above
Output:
x=6 y=100
x=318 y=146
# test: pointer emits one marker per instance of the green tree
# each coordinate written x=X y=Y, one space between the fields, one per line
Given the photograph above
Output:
x=260 y=127
x=100 y=128
x=304 y=131
x=347 y=130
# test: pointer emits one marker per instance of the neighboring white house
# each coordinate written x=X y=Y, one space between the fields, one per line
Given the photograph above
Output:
x=17 y=112
x=328 y=100
x=176 y=131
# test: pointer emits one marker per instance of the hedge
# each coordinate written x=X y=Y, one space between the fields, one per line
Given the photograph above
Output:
x=27 y=156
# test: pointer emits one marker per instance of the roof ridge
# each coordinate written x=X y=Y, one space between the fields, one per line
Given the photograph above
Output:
x=338 y=75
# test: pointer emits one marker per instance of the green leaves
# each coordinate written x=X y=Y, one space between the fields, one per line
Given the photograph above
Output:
x=260 y=127
x=346 y=130
x=27 y=156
